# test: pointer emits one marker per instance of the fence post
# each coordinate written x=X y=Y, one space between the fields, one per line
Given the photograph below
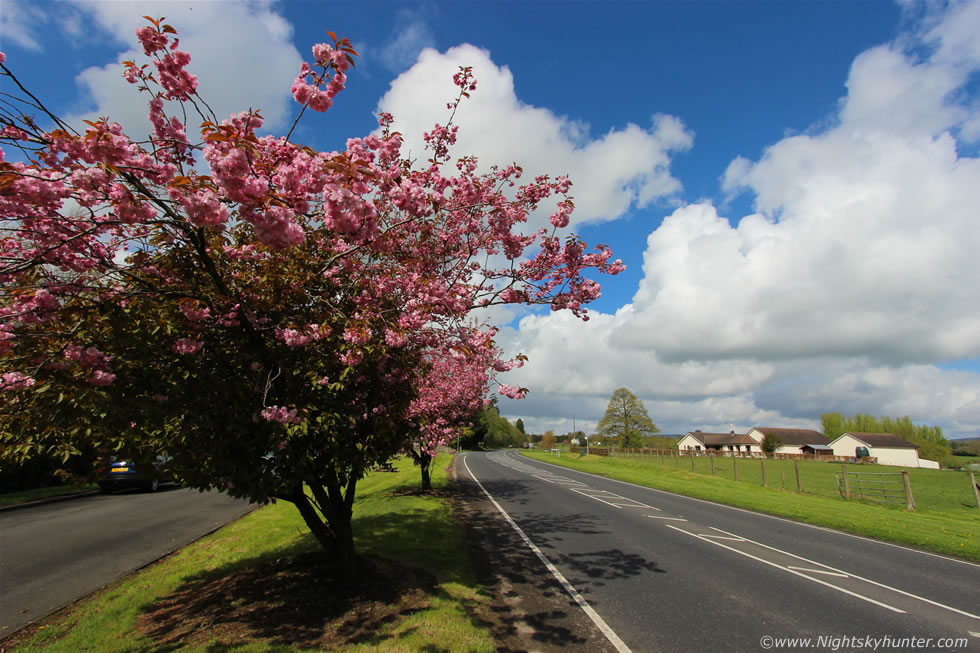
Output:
x=661 y=452
x=910 y=502
x=735 y=465
x=692 y=460
x=764 y=483
x=784 y=479
x=799 y=486
x=677 y=458
x=712 y=459
x=847 y=484
x=976 y=490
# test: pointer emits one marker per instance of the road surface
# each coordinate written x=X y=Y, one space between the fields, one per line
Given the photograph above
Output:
x=654 y=571
x=53 y=554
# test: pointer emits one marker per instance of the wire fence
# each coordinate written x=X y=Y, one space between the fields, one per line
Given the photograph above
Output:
x=820 y=475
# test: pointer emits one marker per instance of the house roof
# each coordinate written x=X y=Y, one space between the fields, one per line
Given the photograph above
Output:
x=819 y=447
x=881 y=440
x=795 y=436
x=718 y=439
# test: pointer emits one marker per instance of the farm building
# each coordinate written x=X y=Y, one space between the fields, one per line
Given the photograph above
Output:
x=720 y=442
x=887 y=448
x=793 y=440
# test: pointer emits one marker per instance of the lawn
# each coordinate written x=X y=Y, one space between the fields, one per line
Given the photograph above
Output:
x=943 y=523
x=260 y=584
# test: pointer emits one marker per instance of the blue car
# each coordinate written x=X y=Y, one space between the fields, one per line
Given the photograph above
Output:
x=123 y=474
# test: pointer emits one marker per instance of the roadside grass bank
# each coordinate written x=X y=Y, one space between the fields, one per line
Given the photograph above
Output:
x=260 y=584
x=39 y=494
x=953 y=532
x=944 y=490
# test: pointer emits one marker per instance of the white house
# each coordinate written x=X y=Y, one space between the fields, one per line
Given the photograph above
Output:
x=721 y=442
x=887 y=448
x=793 y=440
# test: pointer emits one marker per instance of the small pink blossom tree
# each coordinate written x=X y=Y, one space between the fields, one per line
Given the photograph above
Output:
x=278 y=325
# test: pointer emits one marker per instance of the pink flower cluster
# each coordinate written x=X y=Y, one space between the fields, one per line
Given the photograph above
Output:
x=187 y=346
x=15 y=380
x=281 y=414
x=311 y=95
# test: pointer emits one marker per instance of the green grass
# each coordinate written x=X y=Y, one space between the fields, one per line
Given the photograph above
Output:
x=415 y=529
x=37 y=494
x=943 y=490
x=951 y=528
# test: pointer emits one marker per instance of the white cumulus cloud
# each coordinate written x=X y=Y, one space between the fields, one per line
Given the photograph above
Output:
x=854 y=278
x=241 y=52
x=628 y=166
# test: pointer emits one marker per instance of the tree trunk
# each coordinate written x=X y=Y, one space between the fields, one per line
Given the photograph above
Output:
x=424 y=461
x=333 y=529
x=425 y=464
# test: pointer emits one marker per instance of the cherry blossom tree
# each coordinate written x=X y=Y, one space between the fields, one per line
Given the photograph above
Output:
x=278 y=319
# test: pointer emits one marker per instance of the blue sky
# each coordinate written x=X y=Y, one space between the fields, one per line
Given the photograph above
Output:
x=793 y=185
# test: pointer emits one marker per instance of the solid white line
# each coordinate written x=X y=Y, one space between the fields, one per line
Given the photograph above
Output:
x=788 y=570
x=817 y=571
x=600 y=623
x=723 y=537
x=762 y=514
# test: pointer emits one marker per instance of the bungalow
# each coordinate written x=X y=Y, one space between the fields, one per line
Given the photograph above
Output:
x=887 y=448
x=793 y=440
x=720 y=442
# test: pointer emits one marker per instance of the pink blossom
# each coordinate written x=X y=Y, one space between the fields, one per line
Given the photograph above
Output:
x=352 y=357
x=101 y=378
x=15 y=380
x=281 y=414
x=194 y=314
x=187 y=346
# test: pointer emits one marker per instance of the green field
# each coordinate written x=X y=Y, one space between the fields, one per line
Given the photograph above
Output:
x=249 y=558
x=945 y=522
x=943 y=490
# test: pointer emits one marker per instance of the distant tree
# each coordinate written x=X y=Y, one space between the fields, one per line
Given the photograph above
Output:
x=833 y=425
x=932 y=444
x=520 y=425
x=548 y=440
x=626 y=419
x=770 y=442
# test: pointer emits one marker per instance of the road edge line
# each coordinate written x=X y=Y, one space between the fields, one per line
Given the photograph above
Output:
x=600 y=623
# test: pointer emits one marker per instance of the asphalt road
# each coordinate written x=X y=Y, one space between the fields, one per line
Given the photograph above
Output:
x=669 y=573
x=53 y=554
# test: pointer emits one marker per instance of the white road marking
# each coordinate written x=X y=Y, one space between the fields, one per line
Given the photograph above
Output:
x=788 y=570
x=611 y=495
x=817 y=571
x=866 y=580
x=600 y=623
x=666 y=518
x=723 y=537
x=759 y=514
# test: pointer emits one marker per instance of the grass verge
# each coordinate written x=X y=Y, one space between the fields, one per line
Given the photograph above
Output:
x=38 y=494
x=259 y=584
x=955 y=532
